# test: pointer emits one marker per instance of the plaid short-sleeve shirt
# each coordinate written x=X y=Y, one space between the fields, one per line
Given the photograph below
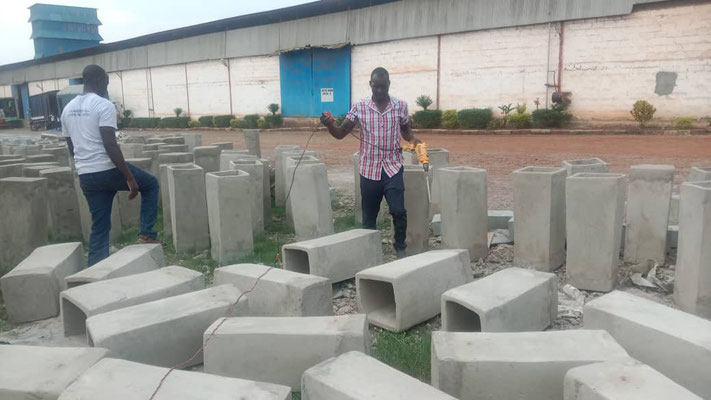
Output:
x=380 y=133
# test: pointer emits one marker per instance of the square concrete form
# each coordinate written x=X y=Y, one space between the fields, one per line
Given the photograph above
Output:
x=174 y=140
x=23 y=209
x=188 y=208
x=165 y=197
x=539 y=207
x=417 y=205
x=439 y=158
x=81 y=302
x=11 y=170
x=207 y=157
x=135 y=139
x=674 y=210
x=114 y=379
x=229 y=200
x=279 y=192
x=345 y=377
x=31 y=290
x=224 y=145
x=173 y=158
x=258 y=171
x=586 y=165
x=131 y=150
x=291 y=164
x=85 y=215
x=164 y=332
x=130 y=260
x=336 y=257
x=279 y=293
x=464 y=210
x=251 y=142
x=64 y=217
x=681 y=342
x=511 y=300
x=699 y=174
x=621 y=380
x=61 y=154
x=153 y=155
x=280 y=349
x=530 y=365
x=155 y=140
x=692 y=283
x=42 y=373
x=231 y=155
x=401 y=294
x=33 y=171
x=499 y=219
x=595 y=213
x=173 y=148
x=192 y=140
x=648 y=201
x=37 y=158
x=130 y=210
x=311 y=203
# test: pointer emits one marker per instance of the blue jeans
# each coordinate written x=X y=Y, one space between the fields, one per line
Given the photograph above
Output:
x=393 y=188
x=100 y=188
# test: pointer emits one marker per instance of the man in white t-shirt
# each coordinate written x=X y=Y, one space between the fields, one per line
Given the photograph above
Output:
x=89 y=124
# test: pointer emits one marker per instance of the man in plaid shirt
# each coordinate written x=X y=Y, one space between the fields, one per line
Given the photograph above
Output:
x=383 y=119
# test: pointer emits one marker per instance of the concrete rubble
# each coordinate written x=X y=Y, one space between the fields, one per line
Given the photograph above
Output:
x=129 y=260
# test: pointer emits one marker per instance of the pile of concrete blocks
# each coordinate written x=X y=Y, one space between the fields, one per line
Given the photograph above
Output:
x=129 y=260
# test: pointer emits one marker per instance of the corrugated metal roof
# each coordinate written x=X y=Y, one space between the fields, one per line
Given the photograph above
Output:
x=52 y=12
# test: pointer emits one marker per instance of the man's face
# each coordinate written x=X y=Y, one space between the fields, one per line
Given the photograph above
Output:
x=380 y=85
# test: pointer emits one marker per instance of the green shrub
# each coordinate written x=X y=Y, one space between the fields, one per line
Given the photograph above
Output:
x=449 y=119
x=207 y=121
x=684 y=123
x=273 y=108
x=177 y=111
x=643 y=112
x=496 y=123
x=174 y=122
x=424 y=101
x=506 y=110
x=427 y=119
x=127 y=113
x=144 y=123
x=519 y=121
x=521 y=108
x=550 y=118
x=193 y=124
x=475 y=118
x=274 y=120
x=223 y=121
x=237 y=123
x=263 y=124
x=124 y=122
x=251 y=121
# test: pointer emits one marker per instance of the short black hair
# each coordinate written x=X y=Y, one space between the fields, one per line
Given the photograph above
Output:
x=93 y=75
x=380 y=71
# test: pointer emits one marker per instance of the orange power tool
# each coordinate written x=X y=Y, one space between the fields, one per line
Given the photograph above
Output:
x=420 y=151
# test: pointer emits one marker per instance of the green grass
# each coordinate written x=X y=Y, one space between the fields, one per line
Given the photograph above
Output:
x=408 y=351
x=296 y=396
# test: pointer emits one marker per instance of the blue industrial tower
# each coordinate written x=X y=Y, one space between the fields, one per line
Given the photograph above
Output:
x=61 y=29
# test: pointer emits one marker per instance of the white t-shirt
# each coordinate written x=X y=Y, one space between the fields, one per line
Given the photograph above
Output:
x=81 y=120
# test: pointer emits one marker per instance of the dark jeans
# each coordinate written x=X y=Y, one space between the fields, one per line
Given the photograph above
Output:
x=99 y=189
x=393 y=188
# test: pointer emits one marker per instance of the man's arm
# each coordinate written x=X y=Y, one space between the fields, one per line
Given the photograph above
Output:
x=108 y=137
x=70 y=146
x=338 y=132
x=406 y=132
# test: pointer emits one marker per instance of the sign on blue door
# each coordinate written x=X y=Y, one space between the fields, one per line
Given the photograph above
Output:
x=315 y=80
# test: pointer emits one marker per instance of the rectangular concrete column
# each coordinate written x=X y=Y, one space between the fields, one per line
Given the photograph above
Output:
x=699 y=174
x=595 y=211
x=131 y=150
x=692 y=284
x=165 y=198
x=172 y=158
x=473 y=366
x=401 y=294
x=65 y=220
x=61 y=154
x=188 y=208
x=153 y=155
x=31 y=290
x=439 y=158
x=291 y=163
x=164 y=332
x=337 y=257
x=311 y=202
x=251 y=142
x=682 y=341
x=174 y=139
x=224 y=145
x=511 y=300
x=418 y=209
x=648 y=200
x=292 y=345
x=207 y=157
x=539 y=207
x=229 y=203
x=231 y=155
x=464 y=210
x=129 y=260
x=343 y=377
x=586 y=165
x=23 y=210
x=130 y=210
x=173 y=148
x=258 y=171
x=192 y=140
x=32 y=170
x=279 y=192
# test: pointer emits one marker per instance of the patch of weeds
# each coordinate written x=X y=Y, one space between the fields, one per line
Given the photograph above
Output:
x=4 y=325
x=265 y=250
x=296 y=396
x=344 y=223
x=408 y=351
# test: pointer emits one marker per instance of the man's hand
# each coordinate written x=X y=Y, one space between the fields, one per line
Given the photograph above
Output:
x=133 y=187
x=415 y=141
x=327 y=119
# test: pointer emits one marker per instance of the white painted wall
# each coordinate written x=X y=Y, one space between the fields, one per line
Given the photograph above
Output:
x=135 y=92
x=5 y=91
x=208 y=89
x=255 y=84
x=169 y=90
x=114 y=89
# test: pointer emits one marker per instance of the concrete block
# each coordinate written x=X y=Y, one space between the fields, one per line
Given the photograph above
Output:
x=464 y=210
x=586 y=165
x=530 y=365
x=310 y=202
x=673 y=342
x=42 y=373
x=621 y=380
x=31 y=290
x=436 y=225
x=595 y=212
x=153 y=155
x=224 y=145
x=279 y=192
x=32 y=170
x=192 y=140
x=672 y=237
x=23 y=210
x=155 y=140
x=63 y=202
x=499 y=219
x=251 y=142
x=164 y=332
x=151 y=146
x=165 y=197
x=674 y=209
x=539 y=207
x=188 y=208
x=692 y=283
x=511 y=300
x=418 y=209
x=231 y=155
x=173 y=148
x=280 y=293
x=38 y=158
x=131 y=150
x=114 y=379
x=648 y=202
x=240 y=347
x=174 y=140
x=439 y=158
x=291 y=163
x=129 y=260
x=173 y=158
x=261 y=202
x=207 y=157
x=401 y=294
x=79 y=303
x=135 y=139
x=130 y=210
x=699 y=174
x=343 y=377
x=229 y=200
x=512 y=229
x=11 y=170
x=61 y=154
x=337 y=257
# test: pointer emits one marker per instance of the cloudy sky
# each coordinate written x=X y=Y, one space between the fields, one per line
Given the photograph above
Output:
x=124 y=19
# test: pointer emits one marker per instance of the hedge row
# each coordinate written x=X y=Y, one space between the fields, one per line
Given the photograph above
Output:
x=483 y=118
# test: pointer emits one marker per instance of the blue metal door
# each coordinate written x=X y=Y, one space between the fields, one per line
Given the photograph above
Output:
x=315 y=80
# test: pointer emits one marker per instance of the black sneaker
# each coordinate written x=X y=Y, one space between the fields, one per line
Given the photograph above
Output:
x=400 y=254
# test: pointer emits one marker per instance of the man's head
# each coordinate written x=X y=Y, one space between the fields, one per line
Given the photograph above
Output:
x=380 y=84
x=96 y=80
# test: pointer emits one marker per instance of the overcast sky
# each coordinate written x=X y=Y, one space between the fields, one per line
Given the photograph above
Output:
x=124 y=19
